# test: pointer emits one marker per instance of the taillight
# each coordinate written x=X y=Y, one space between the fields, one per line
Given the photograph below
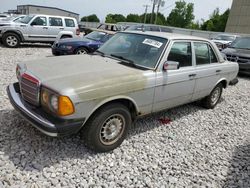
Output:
x=77 y=31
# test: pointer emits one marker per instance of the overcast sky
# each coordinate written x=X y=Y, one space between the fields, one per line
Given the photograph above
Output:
x=202 y=8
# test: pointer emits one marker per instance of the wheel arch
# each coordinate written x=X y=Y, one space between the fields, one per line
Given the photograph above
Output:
x=19 y=33
x=126 y=101
x=224 y=82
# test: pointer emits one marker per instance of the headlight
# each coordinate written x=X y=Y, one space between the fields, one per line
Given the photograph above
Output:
x=54 y=102
x=61 y=105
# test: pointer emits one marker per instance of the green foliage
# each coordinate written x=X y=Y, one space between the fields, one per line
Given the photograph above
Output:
x=182 y=15
x=216 y=22
x=161 y=20
x=90 y=18
x=133 y=18
x=114 y=18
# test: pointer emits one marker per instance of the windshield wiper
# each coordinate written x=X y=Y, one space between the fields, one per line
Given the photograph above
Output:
x=123 y=58
x=97 y=52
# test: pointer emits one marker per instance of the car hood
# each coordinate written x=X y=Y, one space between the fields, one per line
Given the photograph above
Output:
x=222 y=41
x=86 y=75
x=73 y=40
x=237 y=52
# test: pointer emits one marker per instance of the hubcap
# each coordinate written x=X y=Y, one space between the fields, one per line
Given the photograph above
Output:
x=11 y=40
x=112 y=129
x=215 y=96
x=81 y=51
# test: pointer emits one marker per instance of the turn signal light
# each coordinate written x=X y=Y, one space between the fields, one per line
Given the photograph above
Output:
x=65 y=106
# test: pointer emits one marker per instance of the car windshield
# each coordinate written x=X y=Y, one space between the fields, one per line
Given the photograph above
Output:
x=225 y=38
x=242 y=43
x=95 y=35
x=141 y=50
x=26 y=19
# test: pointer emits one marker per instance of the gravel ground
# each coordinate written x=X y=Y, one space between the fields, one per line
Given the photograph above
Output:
x=198 y=148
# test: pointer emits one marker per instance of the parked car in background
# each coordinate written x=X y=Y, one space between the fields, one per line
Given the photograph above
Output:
x=103 y=26
x=14 y=18
x=133 y=74
x=87 y=44
x=36 y=28
x=149 y=27
x=224 y=40
x=4 y=16
x=239 y=51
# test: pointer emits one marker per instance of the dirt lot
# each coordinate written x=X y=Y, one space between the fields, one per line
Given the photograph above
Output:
x=199 y=148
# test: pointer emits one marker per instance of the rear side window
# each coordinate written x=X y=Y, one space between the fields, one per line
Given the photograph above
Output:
x=182 y=53
x=204 y=54
x=69 y=22
x=55 y=21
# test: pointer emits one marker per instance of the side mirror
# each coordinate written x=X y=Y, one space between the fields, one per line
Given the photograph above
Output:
x=171 y=65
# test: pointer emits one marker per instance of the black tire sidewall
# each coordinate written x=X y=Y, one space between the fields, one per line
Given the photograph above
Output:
x=95 y=125
x=5 y=36
x=209 y=100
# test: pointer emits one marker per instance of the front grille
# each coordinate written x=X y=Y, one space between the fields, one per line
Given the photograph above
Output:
x=30 y=90
x=238 y=59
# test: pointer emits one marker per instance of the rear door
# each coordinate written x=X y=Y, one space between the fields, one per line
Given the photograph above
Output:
x=55 y=26
x=208 y=69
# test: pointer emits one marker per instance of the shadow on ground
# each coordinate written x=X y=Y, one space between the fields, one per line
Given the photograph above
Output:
x=30 y=150
x=31 y=45
x=239 y=170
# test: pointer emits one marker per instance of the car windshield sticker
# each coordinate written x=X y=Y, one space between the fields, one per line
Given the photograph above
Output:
x=153 y=43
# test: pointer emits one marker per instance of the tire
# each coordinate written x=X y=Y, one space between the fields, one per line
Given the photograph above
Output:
x=107 y=128
x=213 y=98
x=11 y=40
x=81 y=51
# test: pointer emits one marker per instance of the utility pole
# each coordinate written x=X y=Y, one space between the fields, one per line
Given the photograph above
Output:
x=146 y=11
x=153 y=11
x=161 y=3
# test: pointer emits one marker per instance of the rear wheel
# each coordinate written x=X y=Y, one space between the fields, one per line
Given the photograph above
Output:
x=213 y=98
x=11 y=40
x=107 y=128
x=81 y=51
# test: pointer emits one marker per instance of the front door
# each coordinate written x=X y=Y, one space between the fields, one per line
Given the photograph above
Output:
x=38 y=29
x=176 y=87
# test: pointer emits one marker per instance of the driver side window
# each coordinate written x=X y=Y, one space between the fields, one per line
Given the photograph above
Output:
x=40 y=21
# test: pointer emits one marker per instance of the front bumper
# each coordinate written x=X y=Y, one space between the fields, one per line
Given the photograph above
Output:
x=41 y=120
x=56 y=51
x=244 y=68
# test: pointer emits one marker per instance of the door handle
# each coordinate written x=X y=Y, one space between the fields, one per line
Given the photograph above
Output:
x=192 y=75
x=62 y=28
x=45 y=27
x=218 y=71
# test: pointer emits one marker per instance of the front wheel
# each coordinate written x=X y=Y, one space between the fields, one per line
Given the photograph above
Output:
x=107 y=128
x=81 y=51
x=213 y=98
x=11 y=40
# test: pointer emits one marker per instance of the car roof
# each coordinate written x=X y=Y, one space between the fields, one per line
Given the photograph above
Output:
x=51 y=16
x=104 y=31
x=169 y=36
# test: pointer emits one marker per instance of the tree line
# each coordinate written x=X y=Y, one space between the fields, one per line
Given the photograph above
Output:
x=180 y=16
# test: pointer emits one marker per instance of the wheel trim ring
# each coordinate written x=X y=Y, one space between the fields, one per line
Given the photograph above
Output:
x=79 y=52
x=215 y=96
x=11 y=40
x=112 y=136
